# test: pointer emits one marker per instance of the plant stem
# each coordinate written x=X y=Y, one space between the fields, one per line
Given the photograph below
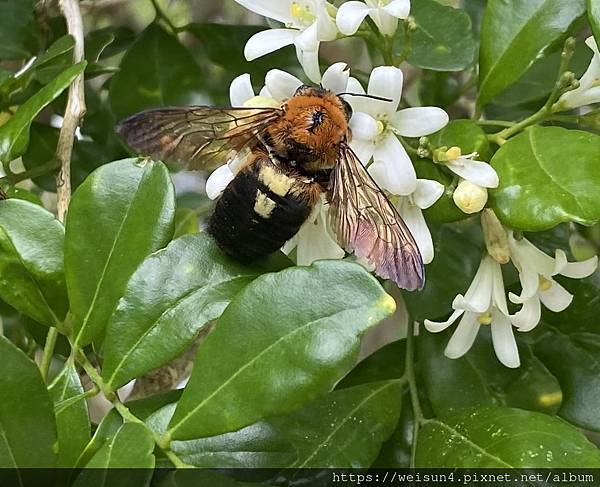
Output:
x=74 y=111
x=48 y=352
x=409 y=27
x=409 y=371
x=495 y=123
x=35 y=172
x=162 y=16
x=549 y=107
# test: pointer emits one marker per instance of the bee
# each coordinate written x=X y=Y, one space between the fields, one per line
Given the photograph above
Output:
x=291 y=156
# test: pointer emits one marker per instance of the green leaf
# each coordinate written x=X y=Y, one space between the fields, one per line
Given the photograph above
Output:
x=171 y=78
x=593 y=11
x=536 y=159
x=31 y=261
x=458 y=250
x=443 y=40
x=345 y=428
x=131 y=448
x=14 y=134
x=483 y=380
x=72 y=420
x=387 y=363
x=27 y=426
x=122 y=213
x=186 y=222
x=259 y=445
x=515 y=34
x=488 y=438
x=300 y=327
x=19 y=32
x=173 y=293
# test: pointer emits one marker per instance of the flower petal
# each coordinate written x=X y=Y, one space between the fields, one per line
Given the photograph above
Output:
x=477 y=172
x=363 y=127
x=503 y=339
x=413 y=217
x=315 y=242
x=240 y=90
x=386 y=23
x=267 y=41
x=557 y=298
x=354 y=86
x=579 y=270
x=218 y=181
x=309 y=60
x=273 y=9
x=308 y=39
x=398 y=8
x=463 y=337
x=427 y=193
x=349 y=17
x=498 y=291
x=528 y=254
x=478 y=297
x=281 y=85
x=335 y=78
x=363 y=149
x=386 y=82
x=527 y=318
x=437 y=326
x=419 y=121
x=326 y=25
x=393 y=170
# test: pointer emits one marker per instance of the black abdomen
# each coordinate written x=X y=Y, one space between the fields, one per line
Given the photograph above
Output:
x=261 y=209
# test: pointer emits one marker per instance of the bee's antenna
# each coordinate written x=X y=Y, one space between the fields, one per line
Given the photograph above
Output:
x=365 y=95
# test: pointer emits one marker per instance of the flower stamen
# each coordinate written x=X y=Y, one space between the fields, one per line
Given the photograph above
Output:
x=545 y=284
x=453 y=153
x=302 y=14
x=485 y=318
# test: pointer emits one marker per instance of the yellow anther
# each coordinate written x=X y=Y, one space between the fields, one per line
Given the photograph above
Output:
x=453 y=153
x=380 y=127
x=302 y=13
x=485 y=318
x=550 y=398
x=545 y=284
x=296 y=10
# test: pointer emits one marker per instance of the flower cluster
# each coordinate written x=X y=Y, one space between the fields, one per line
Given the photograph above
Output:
x=485 y=303
x=307 y=23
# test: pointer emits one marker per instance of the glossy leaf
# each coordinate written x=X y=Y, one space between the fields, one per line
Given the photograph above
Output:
x=172 y=78
x=31 y=261
x=483 y=380
x=300 y=327
x=443 y=40
x=14 y=134
x=72 y=420
x=122 y=213
x=27 y=426
x=487 y=438
x=360 y=418
x=131 y=448
x=515 y=34
x=536 y=159
x=174 y=293
x=19 y=33
x=458 y=253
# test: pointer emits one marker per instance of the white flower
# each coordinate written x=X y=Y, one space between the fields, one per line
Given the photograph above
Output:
x=483 y=304
x=410 y=208
x=385 y=14
x=376 y=123
x=307 y=23
x=538 y=287
x=315 y=240
x=476 y=172
x=589 y=85
x=470 y=198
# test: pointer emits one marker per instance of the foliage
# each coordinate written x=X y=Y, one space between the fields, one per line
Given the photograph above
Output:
x=130 y=281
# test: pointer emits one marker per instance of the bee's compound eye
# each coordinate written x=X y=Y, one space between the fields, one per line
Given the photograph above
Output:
x=347 y=109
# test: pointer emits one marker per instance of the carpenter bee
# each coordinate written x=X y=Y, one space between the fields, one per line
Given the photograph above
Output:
x=292 y=154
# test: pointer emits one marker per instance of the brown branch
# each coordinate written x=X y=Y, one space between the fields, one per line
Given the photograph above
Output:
x=75 y=109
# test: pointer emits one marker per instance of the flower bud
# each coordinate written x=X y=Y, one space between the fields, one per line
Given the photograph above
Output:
x=469 y=197
x=494 y=234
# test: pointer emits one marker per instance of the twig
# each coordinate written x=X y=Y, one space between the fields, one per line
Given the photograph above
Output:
x=409 y=370
x=48 y=352
x=75 y=108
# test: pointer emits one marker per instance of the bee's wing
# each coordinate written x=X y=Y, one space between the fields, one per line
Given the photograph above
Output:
x=367 y=224
x=199 y=137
